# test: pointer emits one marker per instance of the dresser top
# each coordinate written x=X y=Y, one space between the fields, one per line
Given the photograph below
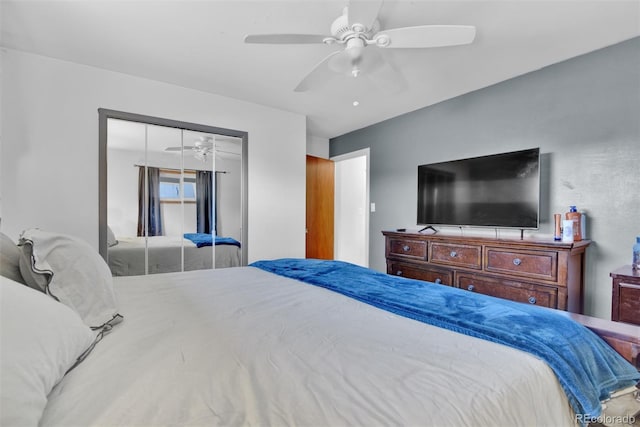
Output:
x=625 y=271
x=456 y=237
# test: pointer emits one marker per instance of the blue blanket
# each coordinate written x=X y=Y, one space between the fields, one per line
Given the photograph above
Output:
x=586 y=367
x=203 y=239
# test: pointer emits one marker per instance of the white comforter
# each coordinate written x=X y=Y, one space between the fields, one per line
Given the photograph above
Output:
x=241 y=346
x=165 y=254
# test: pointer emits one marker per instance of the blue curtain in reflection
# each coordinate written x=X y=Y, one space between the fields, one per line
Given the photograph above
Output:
x=205 y=202
x=151 y=211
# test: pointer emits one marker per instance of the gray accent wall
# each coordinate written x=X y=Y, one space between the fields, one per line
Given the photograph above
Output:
x=583 y=113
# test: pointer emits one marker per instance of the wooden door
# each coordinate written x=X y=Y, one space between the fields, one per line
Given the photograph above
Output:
x=320 y=196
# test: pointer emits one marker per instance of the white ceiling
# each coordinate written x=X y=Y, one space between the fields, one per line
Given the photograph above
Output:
x=199 y=44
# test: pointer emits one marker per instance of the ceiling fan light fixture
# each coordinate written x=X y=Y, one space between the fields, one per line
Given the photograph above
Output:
x=202 y=153
x=201 y=156
x=354 y=46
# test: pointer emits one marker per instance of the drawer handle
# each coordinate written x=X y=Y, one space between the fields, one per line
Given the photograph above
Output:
x=399 y=273
x=453 y=254
x=470 y=288
x=517 y=261
x=438 y=281
x=532 y=300
x=406 y=248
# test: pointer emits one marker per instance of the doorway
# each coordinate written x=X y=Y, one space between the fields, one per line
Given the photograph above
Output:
x=351 y=236
x=320 y=213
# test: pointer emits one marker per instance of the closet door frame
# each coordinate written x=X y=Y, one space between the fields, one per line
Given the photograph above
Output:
x=105 y=114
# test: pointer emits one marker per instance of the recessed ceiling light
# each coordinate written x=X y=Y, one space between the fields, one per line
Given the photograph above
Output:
x=356 y=103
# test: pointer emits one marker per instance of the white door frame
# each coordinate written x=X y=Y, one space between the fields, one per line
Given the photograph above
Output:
x=365 y=152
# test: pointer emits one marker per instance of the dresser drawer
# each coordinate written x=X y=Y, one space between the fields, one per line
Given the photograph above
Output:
x=416 y=249
x=469 y=256
x=411 y=271
x=539 y=271
x=629 y=304
x=533 y=264
x=511 y=290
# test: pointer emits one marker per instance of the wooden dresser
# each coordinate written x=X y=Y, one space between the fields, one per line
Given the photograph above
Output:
x=541 y=272
x=625 y=302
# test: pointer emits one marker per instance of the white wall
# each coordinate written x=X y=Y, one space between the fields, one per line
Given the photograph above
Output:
x=229 y=191
x=317 y=146
x=49 y=152
x=122 y=191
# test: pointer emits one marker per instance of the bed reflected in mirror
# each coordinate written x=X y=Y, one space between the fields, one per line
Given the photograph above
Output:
x=174 y=198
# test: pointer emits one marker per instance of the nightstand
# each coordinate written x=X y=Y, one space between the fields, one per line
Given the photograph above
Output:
x=625 y=303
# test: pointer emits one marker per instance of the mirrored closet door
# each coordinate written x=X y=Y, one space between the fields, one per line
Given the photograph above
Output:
x=174 y=195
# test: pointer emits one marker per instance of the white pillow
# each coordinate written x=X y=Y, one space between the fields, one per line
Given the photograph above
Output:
x=10 y=259
x=41 y=340
x=72 y=272
x=111 y=238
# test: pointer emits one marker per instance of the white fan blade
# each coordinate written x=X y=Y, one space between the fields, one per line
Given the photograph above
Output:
x=186 y=147
x=319 y=75
x=364 y=12
x=427 y=36
x=284 y=38
x=388 y=79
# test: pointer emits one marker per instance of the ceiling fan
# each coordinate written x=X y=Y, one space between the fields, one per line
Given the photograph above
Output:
x=206 y=146
x=358 y=28
x=202 y=148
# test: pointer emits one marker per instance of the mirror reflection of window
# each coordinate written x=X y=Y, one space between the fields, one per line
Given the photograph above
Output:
x=170 y=189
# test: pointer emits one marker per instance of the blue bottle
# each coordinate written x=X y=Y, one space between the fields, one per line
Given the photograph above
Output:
x=635 y=263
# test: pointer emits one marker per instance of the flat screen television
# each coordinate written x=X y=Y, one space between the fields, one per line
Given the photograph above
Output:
x=499 y=190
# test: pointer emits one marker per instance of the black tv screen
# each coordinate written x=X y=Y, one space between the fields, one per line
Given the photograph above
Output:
x=500 y=190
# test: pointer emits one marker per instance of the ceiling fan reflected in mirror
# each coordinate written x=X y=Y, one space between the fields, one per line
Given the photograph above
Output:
x=202 y=148
x=206 y=146
x=356 y=30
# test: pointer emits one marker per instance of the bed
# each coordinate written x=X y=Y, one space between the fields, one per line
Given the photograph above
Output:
x=310 y=342
x=127 y=255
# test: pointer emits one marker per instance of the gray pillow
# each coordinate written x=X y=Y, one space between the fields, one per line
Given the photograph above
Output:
x=10 y=259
